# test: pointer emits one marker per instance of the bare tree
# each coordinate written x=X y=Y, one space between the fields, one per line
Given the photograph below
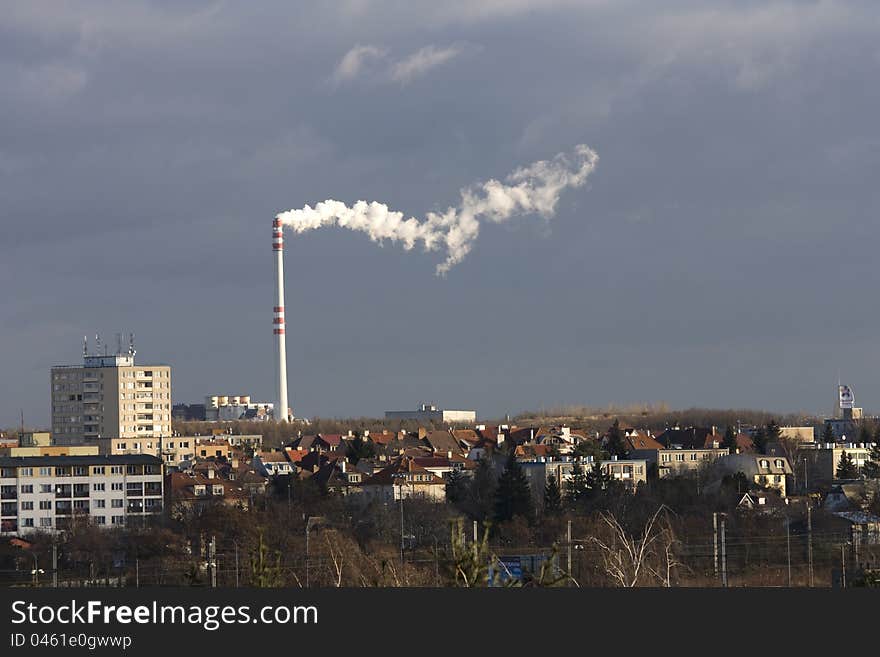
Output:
x=628 y=557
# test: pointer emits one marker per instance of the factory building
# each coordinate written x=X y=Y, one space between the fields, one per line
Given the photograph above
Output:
x=110 y=396
x=220 y=408
x=430 y=413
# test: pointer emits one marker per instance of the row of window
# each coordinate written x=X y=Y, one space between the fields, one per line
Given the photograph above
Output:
x=46 y=521
x=133 y=488
x=80 y=470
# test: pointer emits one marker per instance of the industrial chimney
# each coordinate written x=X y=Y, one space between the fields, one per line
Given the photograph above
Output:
x=281 y=408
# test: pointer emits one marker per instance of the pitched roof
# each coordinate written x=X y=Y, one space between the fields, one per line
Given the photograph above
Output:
x=271 y=457
x=641 y=440
x=406 y=467
x=332 y=439
x=443 y=441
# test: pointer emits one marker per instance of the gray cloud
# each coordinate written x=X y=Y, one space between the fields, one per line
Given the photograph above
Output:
x=723 y=252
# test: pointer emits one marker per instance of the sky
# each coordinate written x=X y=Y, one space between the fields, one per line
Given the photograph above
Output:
x=722 y=252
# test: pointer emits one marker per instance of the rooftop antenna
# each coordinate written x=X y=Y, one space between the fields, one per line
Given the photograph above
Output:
x=131 y=349
x=85 y=346
x=119 y=343
x=97 y=344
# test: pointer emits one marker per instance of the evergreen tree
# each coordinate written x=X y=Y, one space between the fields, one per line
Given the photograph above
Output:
x=772 y=432
x=514 y=495
x=552 y=497
x=482 y=492
x=872 y=468
x=759 y=440
x=846 y=469
x=576 y=486
x=456 y=488
x=614 y=443
x=597 y=479
x=828 y=434
x=359 y=449
x=729 y=441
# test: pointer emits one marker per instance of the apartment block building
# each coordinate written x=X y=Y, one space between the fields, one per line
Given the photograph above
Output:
x=679 y=461
x=48 y=493
x=110 y=396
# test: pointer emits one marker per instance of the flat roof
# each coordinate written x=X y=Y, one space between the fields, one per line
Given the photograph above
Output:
x=98 y=459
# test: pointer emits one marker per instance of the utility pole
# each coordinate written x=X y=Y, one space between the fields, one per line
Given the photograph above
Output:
x=723 y=553
x=54 y=565
x=475 y=531
x=212 y=561
x=401 y=525
x=810 y=542
x=569 y=548
x=715 y=541
x=236 y=564
x=788 y=547
x=843 y=564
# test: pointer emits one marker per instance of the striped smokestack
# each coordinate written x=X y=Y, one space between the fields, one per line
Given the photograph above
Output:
x=278 y=324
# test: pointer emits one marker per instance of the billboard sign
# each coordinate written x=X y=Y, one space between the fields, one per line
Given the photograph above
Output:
x=846 y=396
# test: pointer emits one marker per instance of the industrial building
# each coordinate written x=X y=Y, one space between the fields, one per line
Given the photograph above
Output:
x=220 y=408
x=110 y=396
x=48 y=493
x=430 y=413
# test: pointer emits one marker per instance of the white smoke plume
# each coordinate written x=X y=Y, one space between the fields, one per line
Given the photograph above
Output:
x=534 y=189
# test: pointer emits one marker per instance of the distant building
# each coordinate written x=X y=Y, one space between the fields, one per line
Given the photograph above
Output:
x=225 y=408
x=822 y=459
x=678 y=461
x=110 y=396
x=35 y=439
x=430 y=413
x=761 y=470
x=48 y=493
x=188 y=412
x=630 y=472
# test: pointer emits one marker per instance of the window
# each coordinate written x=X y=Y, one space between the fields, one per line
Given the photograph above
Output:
x=679 y=457
x=45 y=488
x=80 y=471
x=98 y=487
x=27 y=506
x=46 y=472
x=118 y=520
x=25 y=472
x=27 y=488
x=765 y=463
x=98 y=470
x=28 y=522
x=46 y=505
x=117 y=504
x=694 y=456
x=116 y=486
x=100 y=504
x=779 y=463
x=116 y=469
x=46 y=522
x=100 y=520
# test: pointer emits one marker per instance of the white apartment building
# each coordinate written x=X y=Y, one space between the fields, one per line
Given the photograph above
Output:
x=47 y=493
x=110 y=397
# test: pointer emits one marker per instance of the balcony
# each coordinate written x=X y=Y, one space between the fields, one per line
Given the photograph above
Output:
x=63 y=490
